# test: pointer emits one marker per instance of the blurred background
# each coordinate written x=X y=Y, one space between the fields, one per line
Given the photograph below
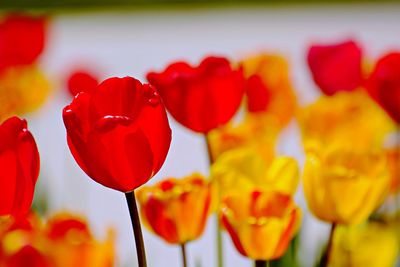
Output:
x=131 y=38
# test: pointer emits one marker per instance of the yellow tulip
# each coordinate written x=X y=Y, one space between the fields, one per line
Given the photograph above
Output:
x=260 y=224
x=22 y=89
x=372 y=245
x=247 y=169
x=176 y=210
x=343 y=184
x=345 y=117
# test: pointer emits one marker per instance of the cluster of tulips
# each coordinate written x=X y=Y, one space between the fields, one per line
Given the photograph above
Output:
x=118 y=132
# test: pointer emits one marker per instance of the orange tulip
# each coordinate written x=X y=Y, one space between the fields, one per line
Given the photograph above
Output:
x=393 y=155
x=64 y=240
x=176 y=210
x=260 y=224
x=354 y=117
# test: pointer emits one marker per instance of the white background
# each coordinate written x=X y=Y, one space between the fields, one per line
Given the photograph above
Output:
x=132 y=43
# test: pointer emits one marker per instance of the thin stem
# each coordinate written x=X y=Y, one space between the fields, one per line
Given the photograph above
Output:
x=183 y=250
x=325 y=258
x=218 y=234
x=261 y=263
x=137 y=230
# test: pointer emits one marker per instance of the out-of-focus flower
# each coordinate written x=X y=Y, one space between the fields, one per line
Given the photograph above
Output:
x=119 y=134
x=343 y=184
x=19 y=164
x=271 y=104
x=336 y=67
x=73 y=244
x=384 y=84
x=371 y=244
x=22 y=40
x=247 y=169
x=201 y=98
x=176 y=210
x=269 y=89
x=22 y=89
x=253 y=131
x=393 y=155
x=81 y=81
x=260 y=224
x=343 y=117
x=64 y=240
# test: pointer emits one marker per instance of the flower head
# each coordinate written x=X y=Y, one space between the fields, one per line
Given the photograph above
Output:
x=203 y=97
x=336 y=67
x=354 y=117
x=247 y=169
x=176 y=210
x=384 y=84
x=118 y=134
x=19 y=163
x=260 y=223
x=344 y=184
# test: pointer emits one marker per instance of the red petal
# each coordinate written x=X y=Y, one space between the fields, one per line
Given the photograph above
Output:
x=336 y=67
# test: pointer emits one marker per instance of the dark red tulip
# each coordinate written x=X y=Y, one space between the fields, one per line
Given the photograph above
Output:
x=19 y=164
x=384 y=84
x=118 y=134
x=203 y=97
x=22 y=39
x=336 y=67
x=81 y=81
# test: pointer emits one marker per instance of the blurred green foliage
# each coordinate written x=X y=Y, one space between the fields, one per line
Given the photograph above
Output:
x=151 y=4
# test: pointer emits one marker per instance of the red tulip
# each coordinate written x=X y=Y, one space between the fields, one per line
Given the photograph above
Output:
x=118 y=134
x=384 y=84
x=22 y=40
x=81 y=81
x=19 y=164
x=27 y=256
x=336 y=67
x=200 y=98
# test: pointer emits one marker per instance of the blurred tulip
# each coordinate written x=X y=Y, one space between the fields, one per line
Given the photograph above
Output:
x=73 y=244
x=269 y=88
x=336 y=67
x=247 y=169
x=253 y=131
x=19 y=163
x=64 y=240
x=176 y=210
x=81 y=81
x=393 y=156
x=22 y=90
x=22 y=39
x=260 y=224
x=119 y=134
x=384 y=84
x=354 y=117
x=343 y=184
x=372 y=245
x=201 y=98
x=271 y=104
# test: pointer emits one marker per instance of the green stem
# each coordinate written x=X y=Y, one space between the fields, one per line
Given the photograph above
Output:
x=218 y=234
x=325 y=258
x=183 y=251
x=137 y=230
